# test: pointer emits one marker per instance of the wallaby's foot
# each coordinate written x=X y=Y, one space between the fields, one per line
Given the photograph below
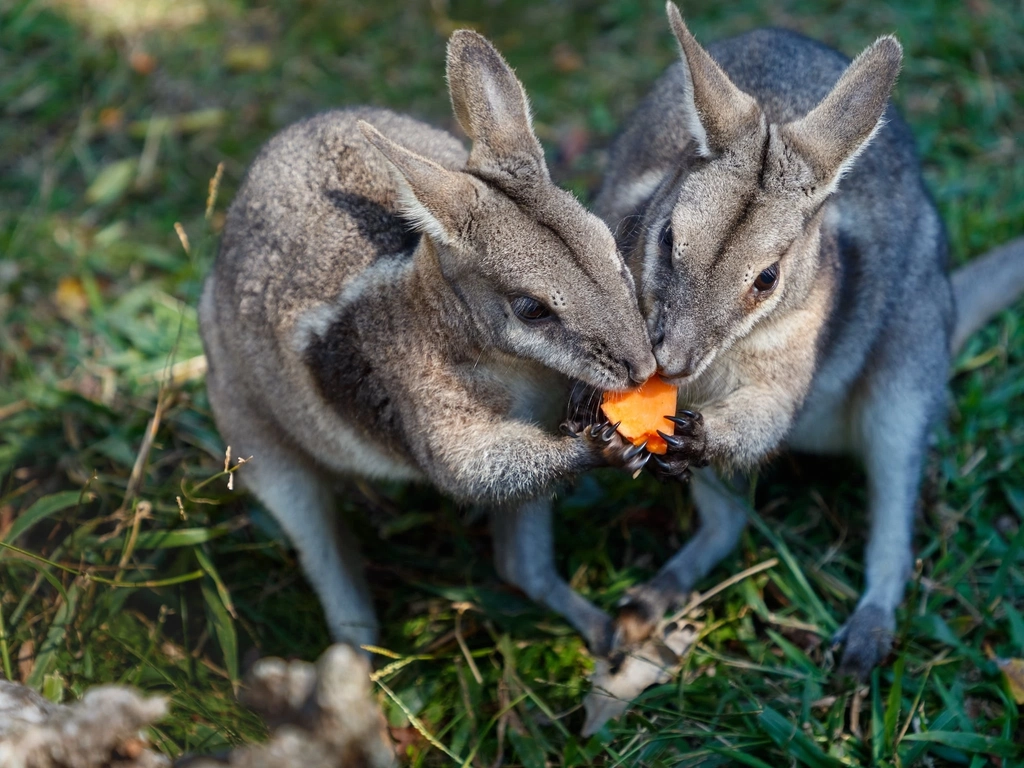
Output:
x=598 y=634
x=687 y=447
x=608 y=446
x=634 y=623
x=866 y=639
x=639 y=614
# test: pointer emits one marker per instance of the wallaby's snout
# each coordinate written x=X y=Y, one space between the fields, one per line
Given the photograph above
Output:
x=640 y=371
x=632 y=344
x=682 y=353
x=672 y=365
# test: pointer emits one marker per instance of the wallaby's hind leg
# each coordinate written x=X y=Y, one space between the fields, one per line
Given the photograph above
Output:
x=305 y=506
x=894 y=426
x=723 y=515
x=524 y=556
x=302 y=501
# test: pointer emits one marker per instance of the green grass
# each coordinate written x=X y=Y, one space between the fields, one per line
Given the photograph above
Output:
x=167 y=580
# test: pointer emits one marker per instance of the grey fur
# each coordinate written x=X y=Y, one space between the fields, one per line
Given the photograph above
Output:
x=849 y=352
x=360 y=320
x=985 y=286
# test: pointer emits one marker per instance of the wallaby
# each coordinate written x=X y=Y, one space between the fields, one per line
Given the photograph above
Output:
x=386 y=305
x=791 y=268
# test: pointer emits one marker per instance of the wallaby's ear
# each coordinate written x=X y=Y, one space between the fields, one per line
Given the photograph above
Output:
x=716 y=111
x=435 y=200
x=491 y=106
x=837 y=130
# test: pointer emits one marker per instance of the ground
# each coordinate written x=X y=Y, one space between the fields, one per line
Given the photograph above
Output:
x=136 y=562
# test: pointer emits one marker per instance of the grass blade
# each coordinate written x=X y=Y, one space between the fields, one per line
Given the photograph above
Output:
x=182 y=537
x=41 y=509
x=54 y=638
x=817 y=607
x=794 y=741
x=892 y=705
x=878 y=744
x=969 y=742
x=223 y=627
x=207 y=565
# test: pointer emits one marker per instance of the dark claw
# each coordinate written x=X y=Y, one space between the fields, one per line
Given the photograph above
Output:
x=676 y=470
x=638 y=462
x=634 y=451
x=681 y=421
x=566 y=429
x=691 y=415
x=672 y=440
x=609 y=431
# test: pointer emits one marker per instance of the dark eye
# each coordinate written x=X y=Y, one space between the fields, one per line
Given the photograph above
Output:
x=529 y=309
x=665 y=240
x=765 y=282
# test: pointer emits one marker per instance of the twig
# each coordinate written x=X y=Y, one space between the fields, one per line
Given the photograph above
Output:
x=12 y=408
x=696 y=601
x=180 y=372
x=913 y=707
x=183 y=237
x=855 y=706
x=416 y=723
x=5 y=652
x=191 y=576
x=142 y=511
x=135 y=478
x=460 y=609
x=211 y=197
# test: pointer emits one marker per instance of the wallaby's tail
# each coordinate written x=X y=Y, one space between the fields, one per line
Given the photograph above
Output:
x=984 y=286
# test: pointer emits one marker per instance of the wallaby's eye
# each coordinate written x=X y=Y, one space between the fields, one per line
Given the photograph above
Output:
x=765 y=282
x=530 y=310
x=665 y=242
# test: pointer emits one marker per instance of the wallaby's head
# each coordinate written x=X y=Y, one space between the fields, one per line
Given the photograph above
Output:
x=727 y=242
x=539 y=275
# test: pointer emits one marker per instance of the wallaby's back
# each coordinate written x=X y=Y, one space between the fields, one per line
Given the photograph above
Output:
x=317 y=207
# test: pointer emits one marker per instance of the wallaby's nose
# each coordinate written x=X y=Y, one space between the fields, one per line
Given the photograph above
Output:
x=640 y=371
x=675 y=365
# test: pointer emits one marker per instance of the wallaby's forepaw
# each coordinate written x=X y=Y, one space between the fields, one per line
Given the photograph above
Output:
x=866 y=639
x=687 y=447
x=609 y=447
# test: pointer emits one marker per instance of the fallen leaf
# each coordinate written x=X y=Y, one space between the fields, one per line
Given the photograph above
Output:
x=248 y=58
x=653 y=662
x=111 y=118
x=143 y=63
x=566 y=59
x=188 y=122
x=1013 y=669
x=70 y=297
x=112 y=182
x=26 y=659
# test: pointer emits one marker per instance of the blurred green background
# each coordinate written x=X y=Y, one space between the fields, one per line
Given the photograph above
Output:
x=136 y=563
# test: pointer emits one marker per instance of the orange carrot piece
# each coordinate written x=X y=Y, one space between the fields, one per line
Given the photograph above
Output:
x=642 y=412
